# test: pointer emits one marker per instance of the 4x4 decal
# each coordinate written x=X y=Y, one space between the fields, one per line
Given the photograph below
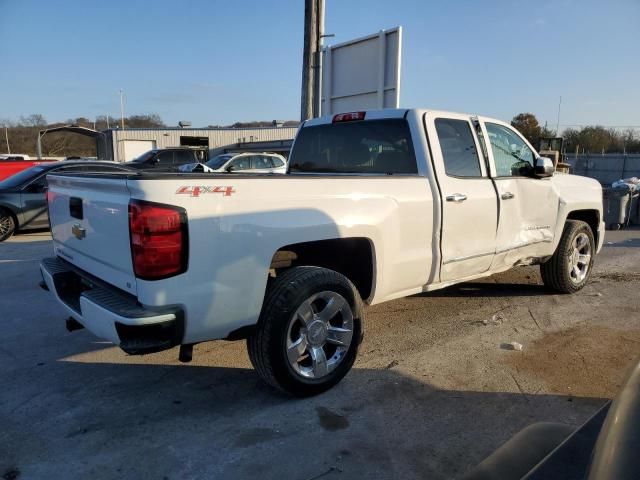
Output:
x=197 y=190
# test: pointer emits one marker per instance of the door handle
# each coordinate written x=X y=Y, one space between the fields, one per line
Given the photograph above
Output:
x=456 y=197
x=507 y=196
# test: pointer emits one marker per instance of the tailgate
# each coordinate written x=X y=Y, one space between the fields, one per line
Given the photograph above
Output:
x=89 y=218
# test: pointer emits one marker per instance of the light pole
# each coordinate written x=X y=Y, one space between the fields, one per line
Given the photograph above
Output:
x=121 y=110
x=6 y=135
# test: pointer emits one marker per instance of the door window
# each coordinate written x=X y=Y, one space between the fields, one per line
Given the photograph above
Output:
x=459 y=151
x=165 y=158
x=512 y=157
x=183 y=156
x=262 y=162
x=242 y=163
x=277 y=162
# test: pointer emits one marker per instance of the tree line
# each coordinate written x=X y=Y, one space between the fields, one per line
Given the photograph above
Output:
x=23 y=134
x=592 y=139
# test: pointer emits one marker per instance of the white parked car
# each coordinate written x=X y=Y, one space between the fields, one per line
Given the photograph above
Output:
x=376 y=205
x=240 y=163
x=14 y=156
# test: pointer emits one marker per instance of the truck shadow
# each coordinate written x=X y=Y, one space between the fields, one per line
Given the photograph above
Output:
x=181 y=421
x=489 y=289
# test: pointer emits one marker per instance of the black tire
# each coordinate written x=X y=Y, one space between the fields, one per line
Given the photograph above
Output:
x=267 y=345
x=7 y=224
x=556 y=272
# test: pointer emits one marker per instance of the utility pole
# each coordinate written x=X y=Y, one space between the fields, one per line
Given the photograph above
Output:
x=311 y=40
x=121 y=110
x=6 y=135
x=317 y=68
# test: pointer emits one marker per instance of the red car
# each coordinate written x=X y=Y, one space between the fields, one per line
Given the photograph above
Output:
x=12 y=164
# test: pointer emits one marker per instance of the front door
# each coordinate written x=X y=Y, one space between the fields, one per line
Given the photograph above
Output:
x=528 y=205
x=469 y=205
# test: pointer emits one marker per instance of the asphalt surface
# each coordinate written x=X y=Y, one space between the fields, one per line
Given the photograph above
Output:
x=434 y=390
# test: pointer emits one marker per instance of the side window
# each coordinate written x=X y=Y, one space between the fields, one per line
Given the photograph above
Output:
x=262 y=162
x=242 y=163
x=38 y=185
x=184 y=156
x=513 y=158
x=102 y=168
x=277 y=162
x=165 y=158
x=458 y=148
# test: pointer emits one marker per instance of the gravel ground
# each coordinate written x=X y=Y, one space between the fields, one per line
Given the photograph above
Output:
x=434 y=390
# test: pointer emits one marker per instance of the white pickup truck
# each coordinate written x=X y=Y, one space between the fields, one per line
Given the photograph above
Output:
x=375 y=206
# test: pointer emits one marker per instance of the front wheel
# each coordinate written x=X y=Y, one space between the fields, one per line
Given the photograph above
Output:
x=568 y=270
x=7 y=224
x=309 y=331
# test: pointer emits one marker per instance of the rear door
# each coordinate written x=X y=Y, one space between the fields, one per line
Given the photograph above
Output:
x=528 y=205
x=469 y=204
x=241 y=164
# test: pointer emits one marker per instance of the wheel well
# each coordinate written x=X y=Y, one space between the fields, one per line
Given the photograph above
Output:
x=591 y=217
x=352 y=257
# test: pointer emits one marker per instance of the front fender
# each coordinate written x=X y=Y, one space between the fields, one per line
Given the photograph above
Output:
x=578 y=194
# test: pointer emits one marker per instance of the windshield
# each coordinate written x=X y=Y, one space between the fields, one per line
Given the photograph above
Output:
x=21 y=177
x=218 y=161
x=373 y=147
x=144 y=157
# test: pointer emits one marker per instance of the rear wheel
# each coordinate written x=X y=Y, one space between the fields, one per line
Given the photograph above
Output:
x=309 y=331
x=567 y=271
x=7 y=224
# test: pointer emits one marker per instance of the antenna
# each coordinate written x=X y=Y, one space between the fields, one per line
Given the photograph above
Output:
x=558 y=124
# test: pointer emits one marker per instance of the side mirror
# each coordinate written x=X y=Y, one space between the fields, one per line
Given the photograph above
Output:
x=543 y=167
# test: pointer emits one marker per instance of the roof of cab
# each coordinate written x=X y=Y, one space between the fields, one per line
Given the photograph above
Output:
x=390 y=113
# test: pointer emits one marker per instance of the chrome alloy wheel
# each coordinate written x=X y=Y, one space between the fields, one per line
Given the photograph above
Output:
x=580 y=258
x=6 y=224
x=319 y=334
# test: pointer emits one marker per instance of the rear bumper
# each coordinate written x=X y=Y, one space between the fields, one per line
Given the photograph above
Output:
x=111 y=313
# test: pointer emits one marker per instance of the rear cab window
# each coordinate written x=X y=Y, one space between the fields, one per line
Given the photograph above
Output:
x=459 y=151
x=367 y=147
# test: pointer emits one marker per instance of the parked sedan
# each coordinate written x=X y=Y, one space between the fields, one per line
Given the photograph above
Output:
x=240 y=163
x=23 y=205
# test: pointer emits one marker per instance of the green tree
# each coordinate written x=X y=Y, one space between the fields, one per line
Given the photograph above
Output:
x=527 y=124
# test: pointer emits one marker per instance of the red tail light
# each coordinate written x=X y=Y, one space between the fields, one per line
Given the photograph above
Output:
x=159 y=241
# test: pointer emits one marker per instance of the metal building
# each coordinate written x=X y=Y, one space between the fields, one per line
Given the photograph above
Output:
x=126 y=144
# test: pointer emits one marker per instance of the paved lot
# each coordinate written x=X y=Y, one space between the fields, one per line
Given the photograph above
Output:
x=431 y=395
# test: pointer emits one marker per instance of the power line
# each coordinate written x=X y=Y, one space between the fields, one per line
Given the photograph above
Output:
x=597 y=125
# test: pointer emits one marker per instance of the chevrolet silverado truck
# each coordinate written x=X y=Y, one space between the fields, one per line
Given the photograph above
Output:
x=375 y=205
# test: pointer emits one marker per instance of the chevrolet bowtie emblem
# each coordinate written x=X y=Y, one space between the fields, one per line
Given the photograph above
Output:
x=78 y=231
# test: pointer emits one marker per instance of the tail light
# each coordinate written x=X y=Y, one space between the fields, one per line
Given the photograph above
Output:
x=349 y=117
x=159 y=239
